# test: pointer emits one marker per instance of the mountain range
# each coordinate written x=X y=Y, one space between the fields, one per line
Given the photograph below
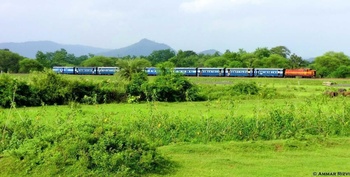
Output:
x=142 y=48
x=29 y=49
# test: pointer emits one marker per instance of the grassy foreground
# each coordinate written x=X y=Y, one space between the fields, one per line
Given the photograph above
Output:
x=261 y=158
x=201 y=155
x=295 y=131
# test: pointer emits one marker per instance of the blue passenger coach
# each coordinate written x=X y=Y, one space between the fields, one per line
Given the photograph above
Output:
x=268 y=72
x=151 y=71
x=64 y=69
x=239 y=72
x=186 y=71
x=86 y=70
x=107 y=70
x=212 y=72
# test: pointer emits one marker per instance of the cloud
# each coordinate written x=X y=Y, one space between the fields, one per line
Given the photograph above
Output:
x=197 y=6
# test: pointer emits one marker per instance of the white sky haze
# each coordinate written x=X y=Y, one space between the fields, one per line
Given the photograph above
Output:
x=308 y=28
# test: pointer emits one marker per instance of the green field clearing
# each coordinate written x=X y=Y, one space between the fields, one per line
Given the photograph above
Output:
x=267 y=158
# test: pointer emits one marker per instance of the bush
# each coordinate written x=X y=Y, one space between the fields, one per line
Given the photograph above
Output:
x=341 y=72
x=268 y=93
x=171 y=87
x=7 y=90
x=134 y=88
x=51 y=87
x=81 y=90
x=245 y=88
x=17 y=93
x=81 y=148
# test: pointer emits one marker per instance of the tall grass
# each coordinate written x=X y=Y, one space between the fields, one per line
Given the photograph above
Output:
x=321 y=117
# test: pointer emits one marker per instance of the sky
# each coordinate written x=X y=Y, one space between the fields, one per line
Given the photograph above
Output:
x=308 y=28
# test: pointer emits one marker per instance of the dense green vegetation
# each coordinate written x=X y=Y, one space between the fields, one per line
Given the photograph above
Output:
x=76 y=145
x=49 y=88
x=74 y=139
x=247 y=123
x=330 y=64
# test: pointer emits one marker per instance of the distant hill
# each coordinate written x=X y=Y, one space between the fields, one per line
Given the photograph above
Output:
x=29 y=49
x=310 y=59
x=210 y=52
x=142 y=48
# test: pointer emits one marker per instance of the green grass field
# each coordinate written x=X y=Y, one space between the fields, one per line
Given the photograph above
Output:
x=319 y=142
x=260 y=158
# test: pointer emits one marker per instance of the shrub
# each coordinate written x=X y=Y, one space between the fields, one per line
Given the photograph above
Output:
x=82 y=90
x=341 y=72
x=51 y=87
x=268 y=93
x=171 y=87
x=134 y=88
x=6 y=90
x=246 y=88
x=16 y=92
x=83 y=148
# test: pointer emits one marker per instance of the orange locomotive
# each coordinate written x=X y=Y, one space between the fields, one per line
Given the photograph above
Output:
x=300 y=73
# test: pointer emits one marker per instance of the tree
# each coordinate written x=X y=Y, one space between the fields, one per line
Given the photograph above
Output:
x=43 y=59
x=217 y=62
x=232 y=56
x=280 y=50
x=235 y=64
x=341 y=72
x=187 y=53
x=134 y=88
x=160 y=56
x=228 y=54
x=131 y=66
x=78 y=60
x=329 y=62
x=9 y=61
x=274 y=61
x=262 y=52
x=296 y=61
x=27 y=65
x=185 y=59
x=98 y=61
x=250 y=60
x=60 y=58
x=165 y=67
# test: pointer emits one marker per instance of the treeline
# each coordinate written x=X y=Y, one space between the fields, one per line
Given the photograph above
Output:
x=330 y=64
x=49 y=88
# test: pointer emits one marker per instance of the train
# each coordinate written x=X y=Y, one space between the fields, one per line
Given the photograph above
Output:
x=85 y=70
x=197 y=71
